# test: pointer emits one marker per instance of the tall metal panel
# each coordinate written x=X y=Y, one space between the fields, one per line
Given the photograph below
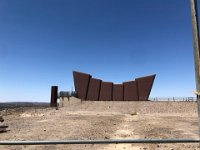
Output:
x=54 y=96
x=94 y=89
x=144 y=85
x=106 y=91
x=81 y=82
x=130 y=91
x=118 y=92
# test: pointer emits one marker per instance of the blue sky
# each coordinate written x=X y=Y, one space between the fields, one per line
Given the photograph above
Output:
x=42 y=42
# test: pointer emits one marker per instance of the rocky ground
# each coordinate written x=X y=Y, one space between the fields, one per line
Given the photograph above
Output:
x=104 y=120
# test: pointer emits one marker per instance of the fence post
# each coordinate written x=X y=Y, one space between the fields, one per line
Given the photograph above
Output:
x=54 y=96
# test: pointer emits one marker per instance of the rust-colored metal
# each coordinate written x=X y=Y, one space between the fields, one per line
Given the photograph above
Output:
x=94 y=89
x=81 y=82
x=88 y=88
x=106 y=91
x=118 y=92
x=144 y=86
x=54 y=96
x=130 y=91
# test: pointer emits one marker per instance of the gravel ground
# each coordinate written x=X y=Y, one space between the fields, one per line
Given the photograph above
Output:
x=104 y=120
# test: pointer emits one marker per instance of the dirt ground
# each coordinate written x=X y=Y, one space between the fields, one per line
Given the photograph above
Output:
x=104 y=120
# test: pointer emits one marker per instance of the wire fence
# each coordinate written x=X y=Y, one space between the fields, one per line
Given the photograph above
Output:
x=186 y=99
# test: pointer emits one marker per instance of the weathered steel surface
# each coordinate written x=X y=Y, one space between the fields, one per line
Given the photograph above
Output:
x=54 y=96
x=130 y=91
x=144 y=85
x=88 y=88
x=94 y=89
x=81 y=82
x=118 y=92
x=106 y=91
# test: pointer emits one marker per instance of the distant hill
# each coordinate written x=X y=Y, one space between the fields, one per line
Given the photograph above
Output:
x=23 y=104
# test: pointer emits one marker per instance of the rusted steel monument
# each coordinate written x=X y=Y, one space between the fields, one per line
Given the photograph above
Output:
x=88 y=88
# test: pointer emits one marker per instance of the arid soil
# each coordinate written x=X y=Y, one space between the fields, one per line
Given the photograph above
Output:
x=104 y=120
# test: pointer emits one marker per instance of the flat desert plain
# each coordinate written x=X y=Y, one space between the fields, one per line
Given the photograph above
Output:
x=103 y=120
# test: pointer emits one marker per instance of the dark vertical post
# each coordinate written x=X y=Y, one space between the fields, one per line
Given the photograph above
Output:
x=195 y=29
x=54 y=96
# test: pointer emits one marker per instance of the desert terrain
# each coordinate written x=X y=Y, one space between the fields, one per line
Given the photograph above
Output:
x=79 y=120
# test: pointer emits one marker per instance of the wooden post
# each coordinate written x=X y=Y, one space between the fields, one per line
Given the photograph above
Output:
x=54 y=96
x=195 y=28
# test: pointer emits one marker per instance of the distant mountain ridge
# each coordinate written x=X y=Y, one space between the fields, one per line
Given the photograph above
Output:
x=23 y=104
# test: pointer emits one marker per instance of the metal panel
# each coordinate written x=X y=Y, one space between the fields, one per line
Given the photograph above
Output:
x=106 y=91
x=130 y=91
x=94 y=89
x=54 y=96
x=97 y=90
x=81 y=82
x=118 y=92
x=144 y=85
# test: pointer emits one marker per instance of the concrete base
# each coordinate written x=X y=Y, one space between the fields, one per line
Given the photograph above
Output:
x=64 y=101
x=142 y=107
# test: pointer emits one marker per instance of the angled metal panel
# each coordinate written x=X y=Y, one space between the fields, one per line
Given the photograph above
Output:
x=94 y=89
x=144 y=86
x=106 y=91
x=130 y=91
x=118 y=92
x=81 y=82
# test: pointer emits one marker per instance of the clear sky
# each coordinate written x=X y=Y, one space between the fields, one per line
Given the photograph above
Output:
x=43 y=41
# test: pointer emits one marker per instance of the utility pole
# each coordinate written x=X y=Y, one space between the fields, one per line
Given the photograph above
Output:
x=195 y=28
